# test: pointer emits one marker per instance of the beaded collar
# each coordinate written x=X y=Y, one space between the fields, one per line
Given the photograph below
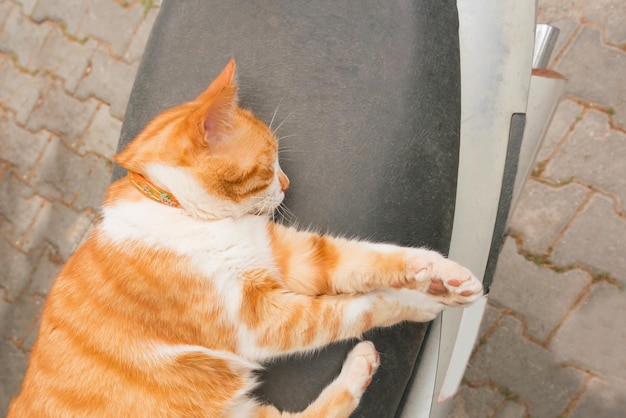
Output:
x=153 y=192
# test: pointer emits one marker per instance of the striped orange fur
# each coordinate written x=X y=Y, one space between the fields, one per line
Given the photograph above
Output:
x=168 y=311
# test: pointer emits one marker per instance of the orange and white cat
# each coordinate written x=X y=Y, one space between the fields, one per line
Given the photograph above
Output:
x=186 y=285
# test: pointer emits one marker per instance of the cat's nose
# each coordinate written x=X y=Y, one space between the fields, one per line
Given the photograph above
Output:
x=283 y=180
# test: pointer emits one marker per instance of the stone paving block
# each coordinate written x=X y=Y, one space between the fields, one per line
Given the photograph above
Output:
x=22 y=318
x=102 y=134
x=29 y=339
x=70 y=12
x=543 y=211
x=62 y=114
x=19 y=146
x=490 y=317
x=60 y=226
x=5 y=9
x=110 y=22
x=27 y=6
x=593 y=70
x=588 y=155
x=565 y=116
x=603 y=398
x=16 y=271
x=475 y=402
x=594 y=335
x=512 y=410
x=13 y=364
x=75 y=180
x=19 y=207
x=609 y=13
x=64 y=57
x=45 y=272
x=597 y=238
x=613 y=15
x=526 y=369
x=540 y=296
x=19 y=91
x=110 y=80
x=135 y=50
x=23 y=38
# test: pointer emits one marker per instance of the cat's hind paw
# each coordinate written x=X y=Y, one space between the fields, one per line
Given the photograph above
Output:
x=359 y=368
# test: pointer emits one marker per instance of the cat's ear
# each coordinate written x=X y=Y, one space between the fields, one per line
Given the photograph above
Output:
x=217 y=104
x=226 y=78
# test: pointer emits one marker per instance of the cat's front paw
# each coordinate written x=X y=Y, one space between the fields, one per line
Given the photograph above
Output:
x=444 y=280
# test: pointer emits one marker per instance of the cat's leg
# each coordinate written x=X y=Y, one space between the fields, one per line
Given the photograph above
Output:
x=314 y=264
x=342 y=396
x=274 y=321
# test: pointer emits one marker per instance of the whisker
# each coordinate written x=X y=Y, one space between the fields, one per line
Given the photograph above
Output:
x=286 y=214
x=285 y=137
x=275 y=111
x=284 y=120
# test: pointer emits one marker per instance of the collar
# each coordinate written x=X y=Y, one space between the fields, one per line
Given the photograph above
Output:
x=153 y=192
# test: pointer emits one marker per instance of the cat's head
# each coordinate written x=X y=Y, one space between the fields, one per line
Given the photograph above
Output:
x=217 y=159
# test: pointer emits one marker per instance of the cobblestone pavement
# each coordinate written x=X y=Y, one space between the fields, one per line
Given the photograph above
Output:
x=553 y=337
x=552 y=340
x=66 y=70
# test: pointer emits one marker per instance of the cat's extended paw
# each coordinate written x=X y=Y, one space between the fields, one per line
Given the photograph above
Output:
x=359 y=368
x=445 y=280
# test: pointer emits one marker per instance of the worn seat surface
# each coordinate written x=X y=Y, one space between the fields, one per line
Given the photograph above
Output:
x=367 y=96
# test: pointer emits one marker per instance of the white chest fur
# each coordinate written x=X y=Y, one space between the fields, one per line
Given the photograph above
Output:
x=222 y=250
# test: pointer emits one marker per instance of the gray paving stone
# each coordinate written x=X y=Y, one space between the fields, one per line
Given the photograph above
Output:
x=490 y=317
x=27 y=6
x=16 y=271
x=19 y=91
x=609 y=13
x=475 y=402
x=105 y=73
x=60 y=226
x=13 y=364
x=5 y=9
x=19 y=207
x=21 y=321
x=615 y=15
x=597 y=238
x=29 y=339
x=552 y=10
x=19 y=146
x=44 y=274
x=64 y=58
x=594 y=335
x=593 y=70
x=23 y=38
x=543 y=211
x=75 y=180
x=70 y=12
x=565 y=116
x=62 y=114
x=512 y=410
x=526 y=369
x=102 y=134
x=137 y=45
x=540 y=296
x=110 y=22
x=588 y=155
x=603 y=398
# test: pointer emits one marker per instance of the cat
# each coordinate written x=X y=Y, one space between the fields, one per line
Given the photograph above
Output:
x=186 y=284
